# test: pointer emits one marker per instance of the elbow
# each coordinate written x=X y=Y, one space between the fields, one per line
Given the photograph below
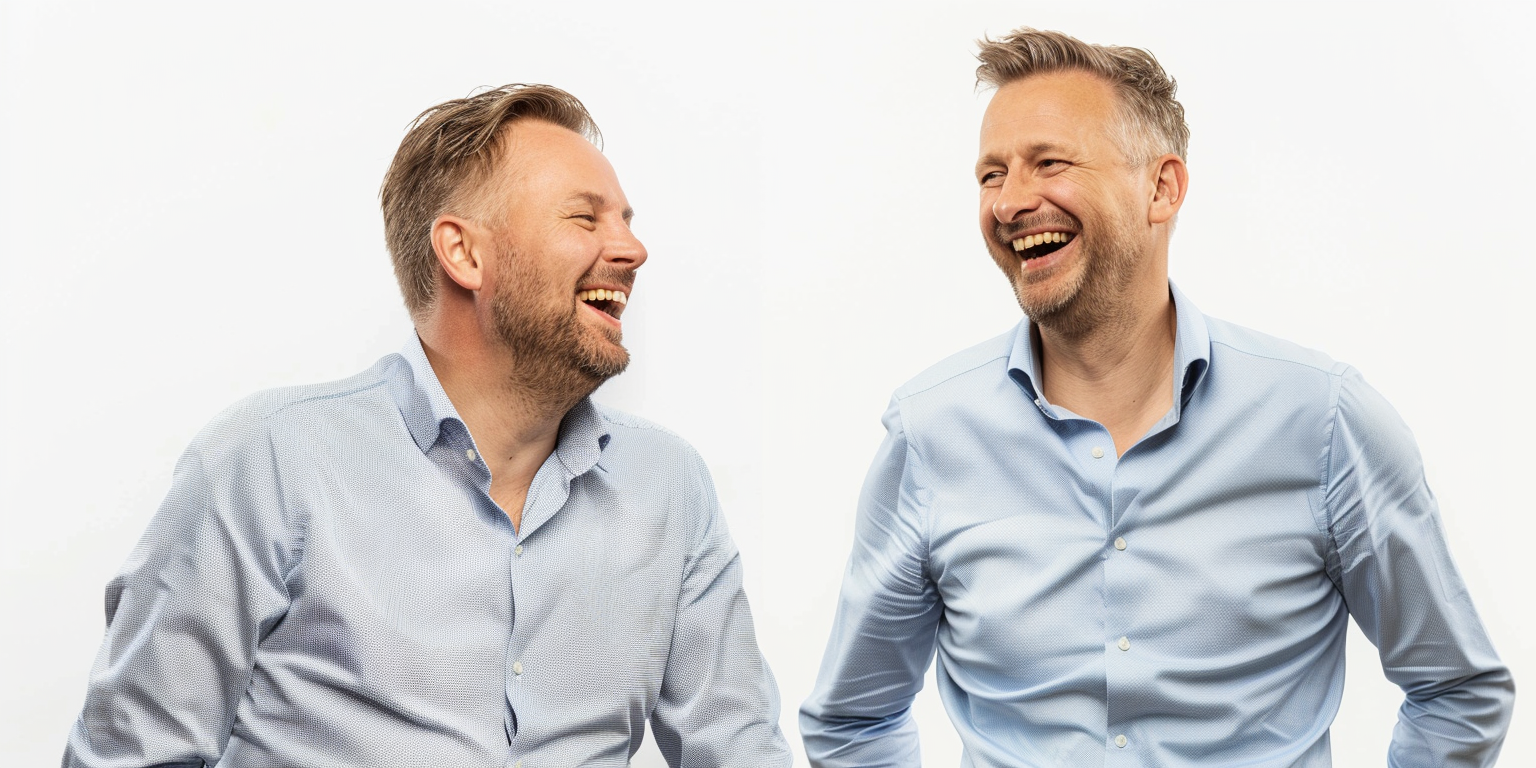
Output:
x=837 y=740
x=1483 y=701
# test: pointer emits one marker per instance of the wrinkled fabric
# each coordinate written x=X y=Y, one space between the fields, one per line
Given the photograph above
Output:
x=1184 y=604
x=329 y=583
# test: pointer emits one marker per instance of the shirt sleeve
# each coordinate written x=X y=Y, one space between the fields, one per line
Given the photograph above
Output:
x=184 y=615
x=719 y=703
x=1396 y=574
x=887 y=618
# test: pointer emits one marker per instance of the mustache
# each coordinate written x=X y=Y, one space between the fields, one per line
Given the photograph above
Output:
x=1013 y=230
x=611 y=276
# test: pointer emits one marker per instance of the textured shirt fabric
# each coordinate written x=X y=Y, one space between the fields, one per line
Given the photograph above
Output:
x=329 y=583
x=1184 y=604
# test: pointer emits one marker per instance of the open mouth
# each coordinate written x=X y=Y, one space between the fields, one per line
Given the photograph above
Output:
x=1043 y=244
x=608 y=302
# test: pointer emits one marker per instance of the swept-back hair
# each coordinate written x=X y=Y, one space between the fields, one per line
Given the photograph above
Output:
x=1151 y=119
x=443 y=163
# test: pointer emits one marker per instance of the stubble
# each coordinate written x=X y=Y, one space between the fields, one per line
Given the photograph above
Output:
x=556 y=354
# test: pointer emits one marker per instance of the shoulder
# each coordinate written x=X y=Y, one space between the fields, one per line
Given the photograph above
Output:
x=649 y=462
x=951 y=376
x=631 y=435
x=1238 y=345
x=252 y=422
x=640 y=429
x=1359 y=421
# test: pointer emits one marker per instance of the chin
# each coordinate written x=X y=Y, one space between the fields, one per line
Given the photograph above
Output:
x=603 y=360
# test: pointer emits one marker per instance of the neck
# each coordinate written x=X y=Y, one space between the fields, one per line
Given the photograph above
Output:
x=512 y=408
x=1117 y=371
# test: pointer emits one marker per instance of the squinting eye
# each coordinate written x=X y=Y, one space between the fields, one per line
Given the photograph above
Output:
x=991 y=178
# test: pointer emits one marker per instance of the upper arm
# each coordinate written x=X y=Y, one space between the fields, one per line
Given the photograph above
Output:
x=185 y=614
x=888 y=611
x=719 y=703
x=1403 y=590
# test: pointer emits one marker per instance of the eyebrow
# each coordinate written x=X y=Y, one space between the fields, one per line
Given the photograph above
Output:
x=598 y=201
x=1036 y=149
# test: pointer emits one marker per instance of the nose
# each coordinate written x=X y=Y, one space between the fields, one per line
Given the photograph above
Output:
x=624 y=249
x=1017 y=196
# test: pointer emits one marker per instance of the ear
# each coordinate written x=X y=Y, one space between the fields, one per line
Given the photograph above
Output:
x=1170 y=187
x=454 y=242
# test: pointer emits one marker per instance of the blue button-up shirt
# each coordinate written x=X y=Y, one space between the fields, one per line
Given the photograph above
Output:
x=1184 y=604
x=329 y=583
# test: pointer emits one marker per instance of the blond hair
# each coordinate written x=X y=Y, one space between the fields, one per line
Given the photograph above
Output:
x=443 y=163
x=1151 y=119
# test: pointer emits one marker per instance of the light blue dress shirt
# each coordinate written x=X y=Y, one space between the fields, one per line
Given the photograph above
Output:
x=1184 y=604
x=329 y=583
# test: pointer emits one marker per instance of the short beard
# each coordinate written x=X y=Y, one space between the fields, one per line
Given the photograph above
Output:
x=554 y=356
x=1094 y=300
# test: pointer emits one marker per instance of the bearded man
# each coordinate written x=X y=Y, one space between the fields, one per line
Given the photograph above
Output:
x=454 y=557
x=1135 y=534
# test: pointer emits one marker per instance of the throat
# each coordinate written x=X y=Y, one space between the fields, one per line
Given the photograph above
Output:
x=1123 y=381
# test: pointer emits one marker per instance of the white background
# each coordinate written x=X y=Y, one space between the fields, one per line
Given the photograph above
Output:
x=189 y=214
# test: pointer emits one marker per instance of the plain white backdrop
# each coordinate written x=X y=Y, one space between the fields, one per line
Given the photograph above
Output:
x=189 y=214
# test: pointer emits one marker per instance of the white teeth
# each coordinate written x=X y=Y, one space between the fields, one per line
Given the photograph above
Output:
x=599 y=294
x=1030 y=241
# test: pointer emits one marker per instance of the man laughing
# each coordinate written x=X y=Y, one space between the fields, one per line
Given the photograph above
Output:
x=454 y=557
x=1135 y=534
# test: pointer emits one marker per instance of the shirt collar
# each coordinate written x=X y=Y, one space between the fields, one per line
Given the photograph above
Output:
x=1191 y=352
x=426 y=409
x=423 y=403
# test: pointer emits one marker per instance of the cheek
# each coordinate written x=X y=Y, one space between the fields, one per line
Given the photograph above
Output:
x=984 y=211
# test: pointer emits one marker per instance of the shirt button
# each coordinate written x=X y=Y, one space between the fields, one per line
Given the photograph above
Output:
x=517 y=667
x=1119 y=741
x=518 y=550
x=1119 y=543
x=1125 y=645
x=1098 y=453
x=469 y=453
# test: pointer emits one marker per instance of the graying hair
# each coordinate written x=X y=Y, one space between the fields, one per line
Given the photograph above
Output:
x=1151 y=119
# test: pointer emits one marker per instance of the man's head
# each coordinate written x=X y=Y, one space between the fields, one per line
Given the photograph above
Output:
x=1081 y=172
x=501 y=212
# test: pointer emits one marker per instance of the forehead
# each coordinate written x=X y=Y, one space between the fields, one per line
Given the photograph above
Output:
x=1074 y=108
x=541 y=160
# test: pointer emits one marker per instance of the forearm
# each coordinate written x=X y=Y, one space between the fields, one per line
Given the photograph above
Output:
x=839 y=741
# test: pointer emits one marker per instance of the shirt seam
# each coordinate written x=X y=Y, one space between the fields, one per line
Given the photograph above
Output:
x=1335 y=391
x=330 y=396
x=955 y=375
x=916 y=460
x=1249 y=353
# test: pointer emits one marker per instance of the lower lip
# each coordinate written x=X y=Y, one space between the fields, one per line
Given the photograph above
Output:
x=602 y=314
x=1047 y=261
